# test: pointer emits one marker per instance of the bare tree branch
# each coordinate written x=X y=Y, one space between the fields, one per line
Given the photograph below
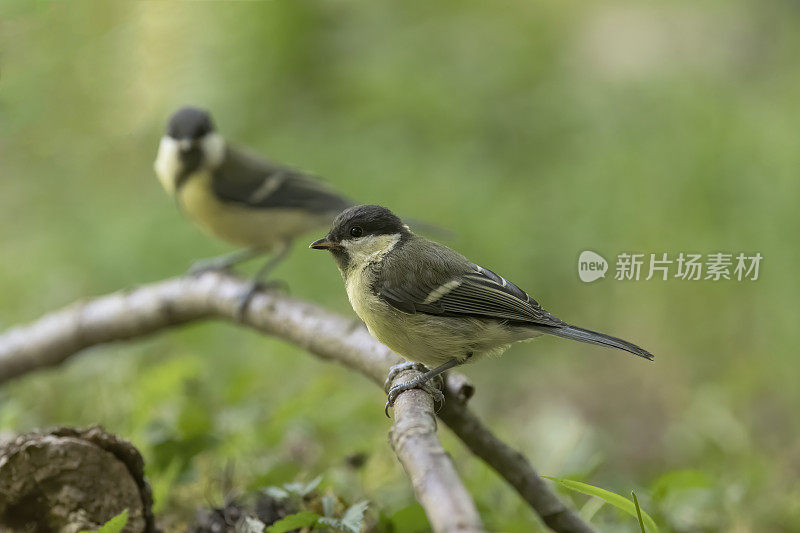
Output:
x=414 y=440
x=138 y=312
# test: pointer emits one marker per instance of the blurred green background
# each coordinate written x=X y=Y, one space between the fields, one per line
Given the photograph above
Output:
x=535 y=130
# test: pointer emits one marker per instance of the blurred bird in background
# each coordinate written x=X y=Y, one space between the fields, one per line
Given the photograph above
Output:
x=245 y=200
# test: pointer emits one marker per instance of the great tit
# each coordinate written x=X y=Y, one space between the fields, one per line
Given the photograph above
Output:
x=432 y=305
x=247 y=201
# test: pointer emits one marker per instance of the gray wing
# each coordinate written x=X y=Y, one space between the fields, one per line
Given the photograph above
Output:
x=433 y=288
x=261 y=184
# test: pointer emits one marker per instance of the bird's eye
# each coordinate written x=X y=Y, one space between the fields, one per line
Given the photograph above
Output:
x=356 y=231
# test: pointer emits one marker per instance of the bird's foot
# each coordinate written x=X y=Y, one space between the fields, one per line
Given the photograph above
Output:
x=432 y=386
x=400 y=367
x=252 y=288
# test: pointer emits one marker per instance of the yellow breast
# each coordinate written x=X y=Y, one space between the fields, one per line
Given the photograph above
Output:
x=239 y=224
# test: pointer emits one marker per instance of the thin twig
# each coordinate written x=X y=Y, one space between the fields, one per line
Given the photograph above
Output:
x=130 y=314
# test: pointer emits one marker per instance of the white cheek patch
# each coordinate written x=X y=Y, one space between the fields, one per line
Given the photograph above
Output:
x=213 y=147
x=440 y=291
x=370 y=248
x=167 y=164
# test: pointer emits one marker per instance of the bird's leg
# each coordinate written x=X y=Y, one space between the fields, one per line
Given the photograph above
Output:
x=400 y=367
x=221 y=262
x=262 y=272
x=421 y=382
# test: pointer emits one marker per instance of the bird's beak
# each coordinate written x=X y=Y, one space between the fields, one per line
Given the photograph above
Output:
x=185 y=145
x=322 y=244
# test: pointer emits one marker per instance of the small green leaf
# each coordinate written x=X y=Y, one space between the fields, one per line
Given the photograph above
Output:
x=114 y=525
x=351 y=521
x=294 y=521
x=620 y=502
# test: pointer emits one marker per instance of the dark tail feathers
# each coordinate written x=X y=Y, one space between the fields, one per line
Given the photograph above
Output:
x=592 y=337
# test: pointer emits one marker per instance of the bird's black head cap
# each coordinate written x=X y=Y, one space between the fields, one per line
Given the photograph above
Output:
x=364 y=220
x=189 y=123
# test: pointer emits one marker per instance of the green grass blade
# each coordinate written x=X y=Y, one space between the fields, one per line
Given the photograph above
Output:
x=620 y=502
x=638 y=510
x=294 y=521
